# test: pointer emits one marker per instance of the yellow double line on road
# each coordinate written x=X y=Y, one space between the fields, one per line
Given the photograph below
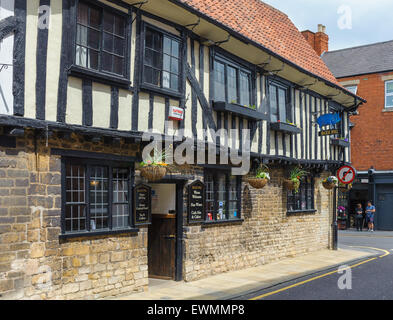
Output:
x=386 y=253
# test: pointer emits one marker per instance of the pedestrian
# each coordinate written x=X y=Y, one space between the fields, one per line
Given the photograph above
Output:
x=370 y=211
x=359 y=217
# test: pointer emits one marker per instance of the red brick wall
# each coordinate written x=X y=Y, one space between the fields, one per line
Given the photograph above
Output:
x=372 y=137
x=319 y=41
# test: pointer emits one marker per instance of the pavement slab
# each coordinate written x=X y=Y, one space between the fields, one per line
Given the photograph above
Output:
x=231 y=284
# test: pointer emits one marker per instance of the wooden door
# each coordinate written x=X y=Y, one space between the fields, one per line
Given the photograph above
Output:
x=162 y=246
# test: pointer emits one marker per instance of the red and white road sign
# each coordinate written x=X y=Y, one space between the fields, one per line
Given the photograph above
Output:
x=346 y=174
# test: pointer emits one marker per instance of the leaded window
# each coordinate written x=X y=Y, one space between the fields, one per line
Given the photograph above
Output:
x=108 y=204
x=232 y=82
x=120 y=200
x=75 y=206
x=100 y=40
x=222 y=196
x=279 y=106
x=303 y=200
x=161 y=63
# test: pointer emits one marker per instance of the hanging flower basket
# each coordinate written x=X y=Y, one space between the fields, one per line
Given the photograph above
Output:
x=330 y=182
x=291 y=185
x=153 y=172
x=261 y=178
x=258 y=183
x=295 y=175
x=328 y=185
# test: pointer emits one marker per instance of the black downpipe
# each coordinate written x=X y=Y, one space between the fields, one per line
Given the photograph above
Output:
x=334 y=225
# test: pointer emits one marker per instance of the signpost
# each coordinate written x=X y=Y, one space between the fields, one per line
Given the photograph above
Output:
x=142 y=205
x=346 y=174
x=196 y=202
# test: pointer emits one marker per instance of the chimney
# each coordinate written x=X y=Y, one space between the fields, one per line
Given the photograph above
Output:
x=319 y=41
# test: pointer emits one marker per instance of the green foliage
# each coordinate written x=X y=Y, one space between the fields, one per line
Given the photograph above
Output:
x=262 y=172
x=296 y=174
x=155 y=159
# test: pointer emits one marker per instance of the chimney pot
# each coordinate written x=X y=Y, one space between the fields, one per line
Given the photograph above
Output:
x=321 y=28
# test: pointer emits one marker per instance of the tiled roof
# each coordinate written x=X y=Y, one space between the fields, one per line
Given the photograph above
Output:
x=266 y=26
x=372 y=58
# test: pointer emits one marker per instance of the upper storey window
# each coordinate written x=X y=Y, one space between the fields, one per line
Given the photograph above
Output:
x=389 y=94
x=101 y=40
x=353 y=89
x=161 y=63
x=279 y=108
x=232 y=83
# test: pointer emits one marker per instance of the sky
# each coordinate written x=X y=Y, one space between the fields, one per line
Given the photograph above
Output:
x=349 y=23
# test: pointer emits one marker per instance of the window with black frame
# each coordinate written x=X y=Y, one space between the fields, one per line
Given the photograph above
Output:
x=222 y=196
x=96 y=197
x=101 y=43
x=303 y=200
x=232 y=83
x=161 y=62
x=279 y=110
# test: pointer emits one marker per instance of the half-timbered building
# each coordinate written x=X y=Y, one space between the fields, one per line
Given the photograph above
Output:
x=89 y=78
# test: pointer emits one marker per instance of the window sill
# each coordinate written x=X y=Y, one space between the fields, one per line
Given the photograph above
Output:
x=162 y=91
x=340 y=143
x=285 y=128
x=239 y=110
x=387 y=110
x=289 y=213
x=219 y=222
x=105 y=78
x=66 y=236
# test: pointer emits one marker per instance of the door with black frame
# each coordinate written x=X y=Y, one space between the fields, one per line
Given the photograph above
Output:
x=162 y=232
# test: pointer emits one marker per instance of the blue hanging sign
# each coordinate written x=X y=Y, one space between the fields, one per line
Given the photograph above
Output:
x=329 y=119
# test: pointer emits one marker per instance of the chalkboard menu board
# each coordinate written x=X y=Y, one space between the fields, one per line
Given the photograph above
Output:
x=142 y=204
x=196 y=202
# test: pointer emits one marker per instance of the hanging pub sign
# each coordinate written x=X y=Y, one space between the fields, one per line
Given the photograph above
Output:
x=330 y=132
x=196 y=202
x=330 y=119
x=142 y=204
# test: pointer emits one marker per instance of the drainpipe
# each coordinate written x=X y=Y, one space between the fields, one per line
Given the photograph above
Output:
x=334 y=224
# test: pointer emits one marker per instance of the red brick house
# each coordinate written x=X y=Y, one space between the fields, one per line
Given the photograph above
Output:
x=368 y=72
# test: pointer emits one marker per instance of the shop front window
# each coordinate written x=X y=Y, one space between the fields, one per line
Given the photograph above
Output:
x=222 y=200
x=303 y=200
x=107 y=206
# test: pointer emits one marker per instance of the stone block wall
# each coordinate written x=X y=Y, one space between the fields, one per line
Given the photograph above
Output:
x=34 y=264
x=267 y=233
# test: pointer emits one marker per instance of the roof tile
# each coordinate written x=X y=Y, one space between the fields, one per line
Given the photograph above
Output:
x=266 y=26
